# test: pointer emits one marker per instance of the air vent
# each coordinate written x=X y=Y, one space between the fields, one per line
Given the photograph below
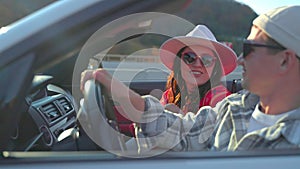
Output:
x=65 y=105
x=50 y=111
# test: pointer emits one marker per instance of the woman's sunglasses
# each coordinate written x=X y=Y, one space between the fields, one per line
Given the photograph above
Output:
x=190 y=58
x=248 y=47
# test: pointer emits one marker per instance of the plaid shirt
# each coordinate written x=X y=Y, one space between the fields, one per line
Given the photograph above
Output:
x=208 y=130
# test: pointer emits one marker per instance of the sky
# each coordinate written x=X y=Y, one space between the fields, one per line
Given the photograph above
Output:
x=261 y=6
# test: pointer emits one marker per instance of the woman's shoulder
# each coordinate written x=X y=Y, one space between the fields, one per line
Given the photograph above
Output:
x=243 y=98
x=165 y=96
x=214 y=95
x=219 y=89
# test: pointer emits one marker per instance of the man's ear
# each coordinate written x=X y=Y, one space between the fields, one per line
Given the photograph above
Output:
x=288 y=60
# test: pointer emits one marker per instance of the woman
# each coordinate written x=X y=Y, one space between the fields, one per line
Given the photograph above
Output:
x=197 y=63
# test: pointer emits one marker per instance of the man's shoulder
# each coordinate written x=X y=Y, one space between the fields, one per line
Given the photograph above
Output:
x=243 y=99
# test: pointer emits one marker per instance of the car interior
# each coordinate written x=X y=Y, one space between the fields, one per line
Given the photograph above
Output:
x=50 y=121
x=40 y=78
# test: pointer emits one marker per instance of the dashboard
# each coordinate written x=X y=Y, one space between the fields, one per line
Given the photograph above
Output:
x=50 y=117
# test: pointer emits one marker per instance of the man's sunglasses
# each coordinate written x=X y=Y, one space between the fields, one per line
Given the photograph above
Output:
x=248 y=47
x=190 y=58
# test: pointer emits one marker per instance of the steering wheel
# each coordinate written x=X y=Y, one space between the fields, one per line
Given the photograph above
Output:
x=93 y=116
x=105 y=104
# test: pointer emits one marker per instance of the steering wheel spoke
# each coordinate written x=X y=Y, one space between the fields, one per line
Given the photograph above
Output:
x=93 y=117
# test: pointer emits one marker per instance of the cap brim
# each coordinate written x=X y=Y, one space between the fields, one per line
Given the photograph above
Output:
x=226 y=55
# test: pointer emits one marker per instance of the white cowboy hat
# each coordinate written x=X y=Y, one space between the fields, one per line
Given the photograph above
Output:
x=202 y=36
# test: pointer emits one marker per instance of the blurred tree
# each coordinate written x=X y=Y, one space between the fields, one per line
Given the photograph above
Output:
x=229 y=20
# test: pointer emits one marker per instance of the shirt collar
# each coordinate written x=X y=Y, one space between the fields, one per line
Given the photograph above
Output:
x=288 y=126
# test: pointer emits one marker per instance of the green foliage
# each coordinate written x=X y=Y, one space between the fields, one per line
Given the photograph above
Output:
x=229 y=20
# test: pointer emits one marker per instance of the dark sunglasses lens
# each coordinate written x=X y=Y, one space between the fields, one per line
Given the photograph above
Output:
x=189 y=58
x=247 y=49
x=207 y=60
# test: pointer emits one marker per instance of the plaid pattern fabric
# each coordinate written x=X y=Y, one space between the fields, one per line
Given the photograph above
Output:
x=209 y=130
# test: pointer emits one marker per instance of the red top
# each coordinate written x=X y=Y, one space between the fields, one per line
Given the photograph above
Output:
x=211 y=98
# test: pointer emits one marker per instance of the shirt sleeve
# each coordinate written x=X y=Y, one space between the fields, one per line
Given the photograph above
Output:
x=161 y=128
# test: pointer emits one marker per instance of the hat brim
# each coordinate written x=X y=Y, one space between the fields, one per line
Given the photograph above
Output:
x=170 y=48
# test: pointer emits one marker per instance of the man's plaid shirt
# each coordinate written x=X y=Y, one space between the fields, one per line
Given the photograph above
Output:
x=223 y=128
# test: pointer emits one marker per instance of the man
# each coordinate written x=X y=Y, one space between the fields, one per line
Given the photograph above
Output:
x=264 y=116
